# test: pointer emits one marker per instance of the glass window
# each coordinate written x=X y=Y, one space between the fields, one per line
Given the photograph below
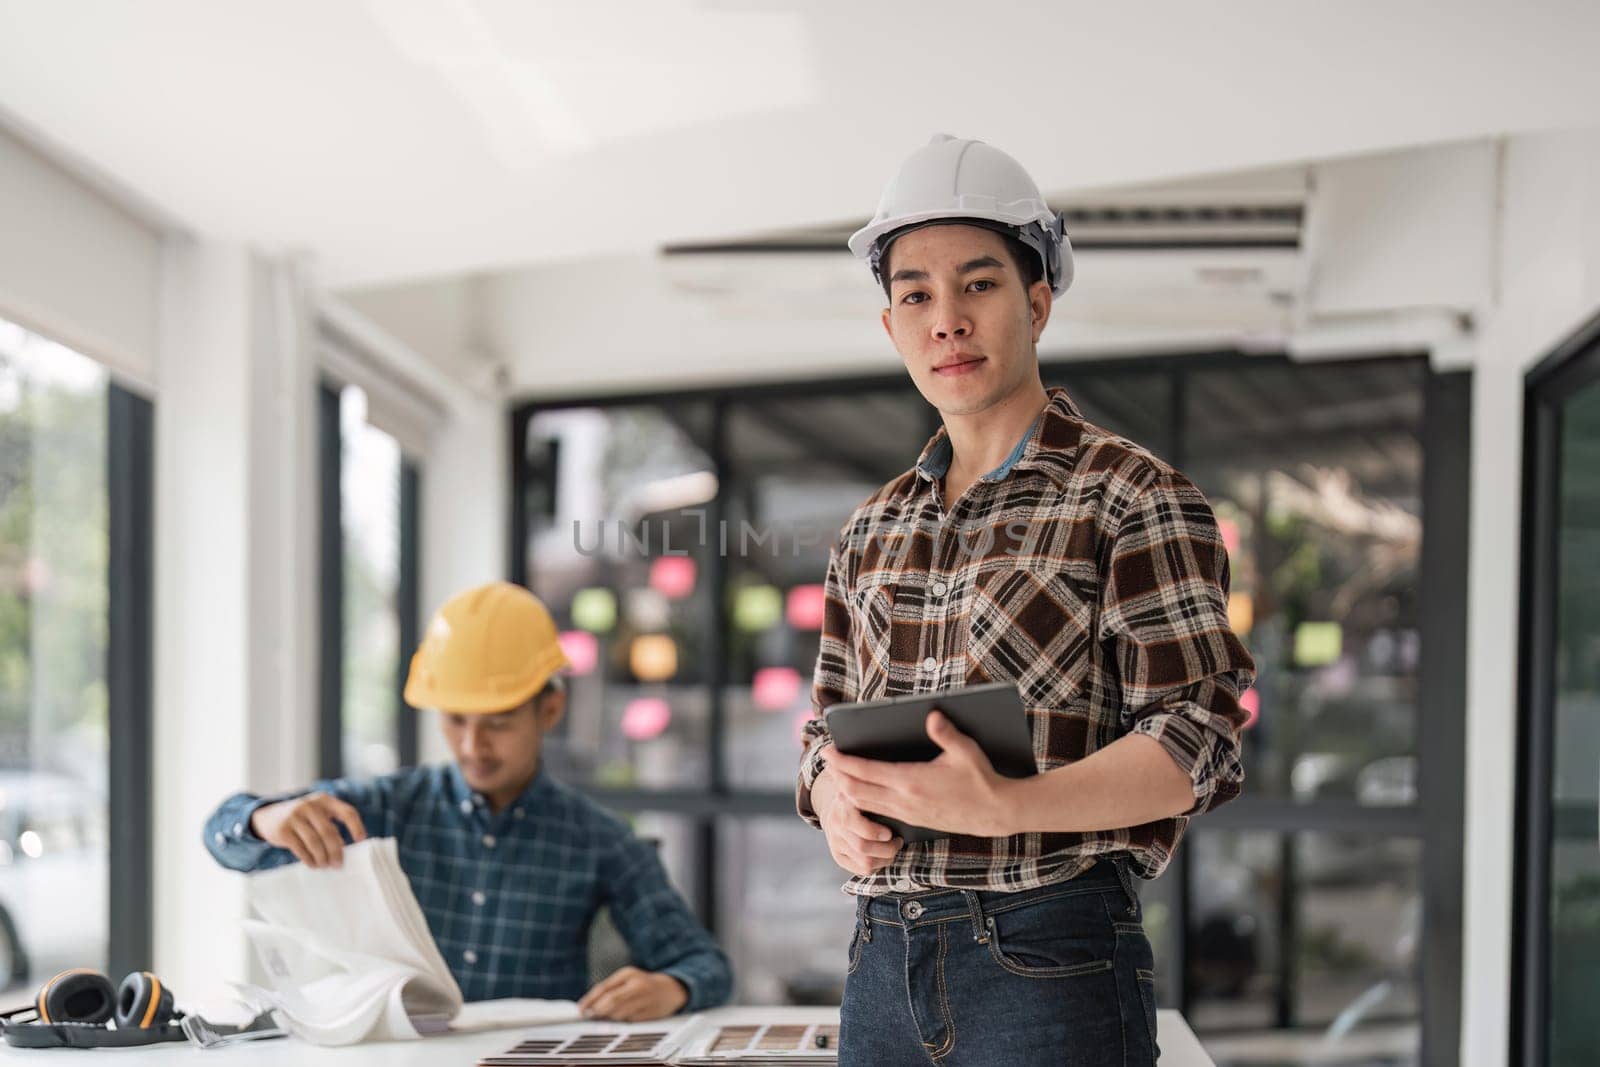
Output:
x=1574 y=935
x=1358 y=927
x=1234 y=958
x=788 y=925
x=53 y=629
x=1136 y=404
x=1315 y=475
x=369 y=490
x=796 y=469
x=619 y=548
x=1311 y=931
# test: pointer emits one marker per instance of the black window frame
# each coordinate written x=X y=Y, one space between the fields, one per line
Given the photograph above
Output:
x=330 y=590
x=130 y=658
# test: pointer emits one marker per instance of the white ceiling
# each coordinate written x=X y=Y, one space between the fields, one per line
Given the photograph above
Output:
x=403 y=139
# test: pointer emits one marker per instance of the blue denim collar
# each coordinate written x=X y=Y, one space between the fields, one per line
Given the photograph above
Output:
x=934 y=463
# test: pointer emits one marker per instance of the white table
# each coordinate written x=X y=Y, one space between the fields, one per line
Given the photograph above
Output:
x=1179 y=1047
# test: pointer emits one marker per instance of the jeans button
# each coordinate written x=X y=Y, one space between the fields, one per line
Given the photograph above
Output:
x=912 y=909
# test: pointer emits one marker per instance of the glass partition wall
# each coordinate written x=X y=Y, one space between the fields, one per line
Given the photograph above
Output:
x=76 y=455
x=682 y=539
x=1558 y=866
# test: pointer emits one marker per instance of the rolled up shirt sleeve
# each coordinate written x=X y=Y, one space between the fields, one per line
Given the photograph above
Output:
x=234 y=845
x=1164 y=612
x=662 y=935
x=833 y=681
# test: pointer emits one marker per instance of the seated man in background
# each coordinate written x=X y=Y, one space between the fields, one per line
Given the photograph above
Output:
x=509 y=865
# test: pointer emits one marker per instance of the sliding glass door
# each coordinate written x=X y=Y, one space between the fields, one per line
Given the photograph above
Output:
x=1561 y=713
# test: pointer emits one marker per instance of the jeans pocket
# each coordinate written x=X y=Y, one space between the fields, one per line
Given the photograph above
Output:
x=1147 y=997
x=857 y=942
x=1053 y=939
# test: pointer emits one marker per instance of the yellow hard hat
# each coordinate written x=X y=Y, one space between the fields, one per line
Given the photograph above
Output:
x=488 y=649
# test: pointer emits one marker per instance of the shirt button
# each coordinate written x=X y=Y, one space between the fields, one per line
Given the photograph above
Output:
x=478 y=898
x=930 y=664
x=938 y=589
x=902 y=886
x=470 y=956
x=219 y=838
x=488 y=841
x=466 y=807
x=517 y=812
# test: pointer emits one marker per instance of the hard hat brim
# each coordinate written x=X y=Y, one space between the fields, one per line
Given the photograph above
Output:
x=422 y=696
x=864 y=240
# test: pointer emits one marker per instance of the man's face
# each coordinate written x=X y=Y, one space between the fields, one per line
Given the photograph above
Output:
x=499 y=753
x=961 y=318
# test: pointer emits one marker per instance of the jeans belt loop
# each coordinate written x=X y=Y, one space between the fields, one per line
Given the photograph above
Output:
x=1125 y=876
x=864 y=916
x=980 y=925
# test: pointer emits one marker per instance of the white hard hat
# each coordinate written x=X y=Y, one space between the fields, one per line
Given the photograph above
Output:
x=949 y=178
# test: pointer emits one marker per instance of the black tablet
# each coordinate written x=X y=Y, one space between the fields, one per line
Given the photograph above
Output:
x=896 y=730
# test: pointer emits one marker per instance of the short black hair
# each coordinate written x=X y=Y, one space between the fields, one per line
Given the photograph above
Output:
x=1026 y=260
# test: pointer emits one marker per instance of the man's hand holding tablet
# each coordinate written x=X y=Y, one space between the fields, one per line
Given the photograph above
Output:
x=930 y=765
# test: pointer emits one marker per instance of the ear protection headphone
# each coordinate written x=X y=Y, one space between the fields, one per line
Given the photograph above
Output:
x=74 y=1008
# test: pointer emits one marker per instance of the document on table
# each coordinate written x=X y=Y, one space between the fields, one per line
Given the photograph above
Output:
x=349 y=956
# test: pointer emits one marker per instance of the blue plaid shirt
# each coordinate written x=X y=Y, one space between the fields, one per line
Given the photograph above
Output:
x=510 y=896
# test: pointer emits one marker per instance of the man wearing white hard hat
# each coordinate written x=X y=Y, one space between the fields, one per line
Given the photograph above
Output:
x=1031 y=546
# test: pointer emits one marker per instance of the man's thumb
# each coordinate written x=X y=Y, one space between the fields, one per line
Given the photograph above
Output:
x=943 y=733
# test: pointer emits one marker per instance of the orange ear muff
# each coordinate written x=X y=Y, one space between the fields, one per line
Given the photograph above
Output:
x=76 y=996
x=143 y=1003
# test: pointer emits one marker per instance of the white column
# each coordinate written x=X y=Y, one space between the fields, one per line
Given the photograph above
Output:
x=235 y=581
x=465 y=512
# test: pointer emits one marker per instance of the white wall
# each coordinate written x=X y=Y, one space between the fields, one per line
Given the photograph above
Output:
x=1547 y=282
x=436 y=319
x=75 y=266
x=464 y=517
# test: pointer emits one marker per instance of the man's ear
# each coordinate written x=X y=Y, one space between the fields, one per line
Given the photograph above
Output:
x=1040 y=301
x=549 y=710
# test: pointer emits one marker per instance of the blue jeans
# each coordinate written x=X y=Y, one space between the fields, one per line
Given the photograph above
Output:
x=1058 y=975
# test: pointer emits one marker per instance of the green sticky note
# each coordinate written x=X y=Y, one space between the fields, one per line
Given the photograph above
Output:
x=1317 y=644
x=594 y=609
x=757 y=608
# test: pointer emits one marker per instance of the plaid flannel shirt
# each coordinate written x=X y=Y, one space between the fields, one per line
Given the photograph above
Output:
x=510 y=895
x=1085 y=570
